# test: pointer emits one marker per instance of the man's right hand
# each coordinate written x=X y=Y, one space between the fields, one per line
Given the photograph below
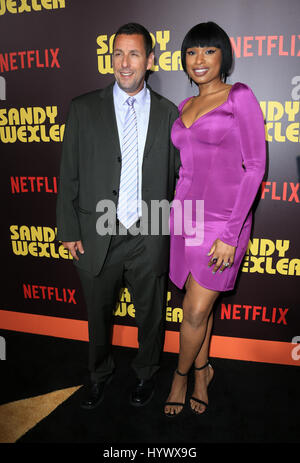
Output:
x=73 y=247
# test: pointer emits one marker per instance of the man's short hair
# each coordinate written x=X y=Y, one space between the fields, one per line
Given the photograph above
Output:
x=135 y=28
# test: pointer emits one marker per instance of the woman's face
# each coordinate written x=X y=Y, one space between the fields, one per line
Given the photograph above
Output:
x=203 y=64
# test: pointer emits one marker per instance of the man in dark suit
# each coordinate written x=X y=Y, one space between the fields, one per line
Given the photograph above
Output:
x=114 y=137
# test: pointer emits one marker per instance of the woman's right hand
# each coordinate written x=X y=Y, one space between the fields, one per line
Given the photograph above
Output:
x=222 y=255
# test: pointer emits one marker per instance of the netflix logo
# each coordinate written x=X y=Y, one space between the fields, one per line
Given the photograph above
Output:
x=263 y=314
x=33 y=185
x=29 y=59
x=49 y=293
x=266 y=45
x=280 y=191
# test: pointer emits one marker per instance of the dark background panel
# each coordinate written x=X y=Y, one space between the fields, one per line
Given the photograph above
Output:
x=73 y=30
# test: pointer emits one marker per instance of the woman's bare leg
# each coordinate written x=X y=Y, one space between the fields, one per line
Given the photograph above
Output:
x=205 y=375
x=195 y=334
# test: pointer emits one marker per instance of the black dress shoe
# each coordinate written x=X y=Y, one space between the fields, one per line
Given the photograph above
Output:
x=142 y=393
x=95 y=394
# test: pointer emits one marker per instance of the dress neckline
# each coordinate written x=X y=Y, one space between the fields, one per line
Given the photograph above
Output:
x=207 y=113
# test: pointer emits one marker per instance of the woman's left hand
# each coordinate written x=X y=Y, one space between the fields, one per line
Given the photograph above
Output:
x=222 y=255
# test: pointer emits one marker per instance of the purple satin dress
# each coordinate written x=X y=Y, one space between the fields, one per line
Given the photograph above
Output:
x=223 y=157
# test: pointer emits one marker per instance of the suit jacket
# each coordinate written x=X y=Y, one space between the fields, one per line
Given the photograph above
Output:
x=90 y=172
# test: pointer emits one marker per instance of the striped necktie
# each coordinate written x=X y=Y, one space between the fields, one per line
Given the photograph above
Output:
x=128 y=197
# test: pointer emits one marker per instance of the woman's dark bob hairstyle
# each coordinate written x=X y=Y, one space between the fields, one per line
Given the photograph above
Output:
x=209 y=35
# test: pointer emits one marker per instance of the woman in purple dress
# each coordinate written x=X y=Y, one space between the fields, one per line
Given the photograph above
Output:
x=221 y=137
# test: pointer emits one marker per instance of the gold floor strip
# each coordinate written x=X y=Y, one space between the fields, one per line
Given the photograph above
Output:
x=17 y=418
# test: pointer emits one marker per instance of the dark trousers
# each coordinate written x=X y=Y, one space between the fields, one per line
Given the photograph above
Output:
x=126 y=265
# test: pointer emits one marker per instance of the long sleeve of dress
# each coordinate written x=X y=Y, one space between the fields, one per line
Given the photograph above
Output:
x=253 y=151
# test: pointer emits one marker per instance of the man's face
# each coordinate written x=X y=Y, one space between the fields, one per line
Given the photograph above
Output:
x=130 y=62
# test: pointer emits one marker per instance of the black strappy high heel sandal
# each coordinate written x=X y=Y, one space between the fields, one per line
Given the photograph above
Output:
x=195 y=398
x=172 y=415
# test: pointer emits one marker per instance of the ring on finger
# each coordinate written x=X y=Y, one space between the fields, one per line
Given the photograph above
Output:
x=227 y=264
x=214 y=260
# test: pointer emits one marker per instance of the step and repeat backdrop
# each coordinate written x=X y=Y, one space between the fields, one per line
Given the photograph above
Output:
x=53 y=50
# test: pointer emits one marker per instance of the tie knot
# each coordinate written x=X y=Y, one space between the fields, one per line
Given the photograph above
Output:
x=130 y=101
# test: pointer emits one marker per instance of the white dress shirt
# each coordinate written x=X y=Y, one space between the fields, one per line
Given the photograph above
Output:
x=142 y=110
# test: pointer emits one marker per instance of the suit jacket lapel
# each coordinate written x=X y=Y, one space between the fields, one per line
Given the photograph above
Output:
x=154 y=122
x=108 y=116
x=109 y=121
